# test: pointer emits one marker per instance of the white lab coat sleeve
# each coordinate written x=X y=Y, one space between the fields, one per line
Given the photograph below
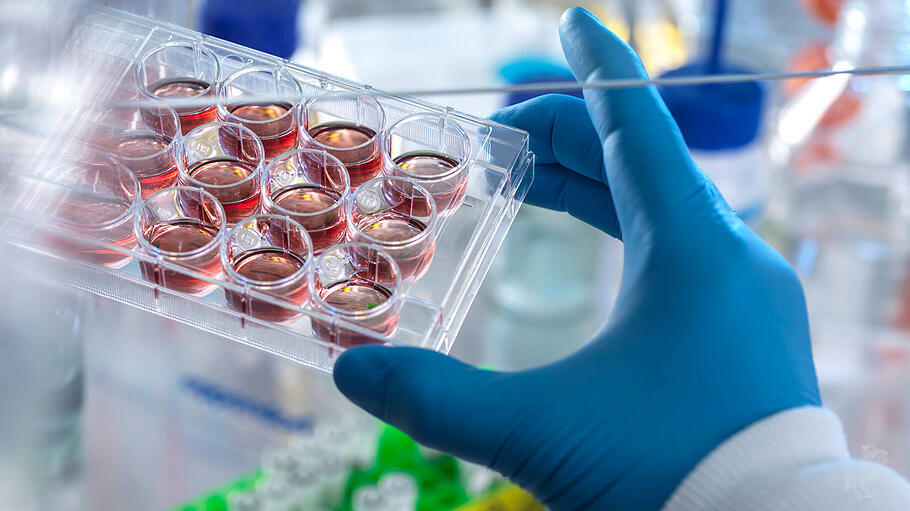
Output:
x=795 y=459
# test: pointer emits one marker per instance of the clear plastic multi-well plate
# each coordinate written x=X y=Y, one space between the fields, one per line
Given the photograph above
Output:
x=434 y=306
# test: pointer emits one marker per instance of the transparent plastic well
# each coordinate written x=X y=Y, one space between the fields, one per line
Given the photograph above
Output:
x=433 y=307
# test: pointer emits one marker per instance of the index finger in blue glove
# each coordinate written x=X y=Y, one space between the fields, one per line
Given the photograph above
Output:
x=570 y=175
x=558 y=188
x=560 y=132
x=646 y=160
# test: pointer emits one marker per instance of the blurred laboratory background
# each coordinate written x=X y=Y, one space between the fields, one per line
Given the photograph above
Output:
x=132 y=411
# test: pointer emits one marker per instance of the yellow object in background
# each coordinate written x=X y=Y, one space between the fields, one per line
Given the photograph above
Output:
x=504 y=498
x=611 y=15
x=660 y=45
x=655 y=35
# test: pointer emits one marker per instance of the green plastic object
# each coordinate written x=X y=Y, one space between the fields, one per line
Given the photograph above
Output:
x=215 y=503
x=397 y=450
x=438 y=483
x=438 y=479
x=216 y=500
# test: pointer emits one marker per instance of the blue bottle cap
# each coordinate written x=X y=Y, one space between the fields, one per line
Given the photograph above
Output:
x=264 y=25
x=715 y=117
x=535 y=70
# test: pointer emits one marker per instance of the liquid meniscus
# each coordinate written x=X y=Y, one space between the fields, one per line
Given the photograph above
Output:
x=260 y=112
x=142 y=153
x=267 y=268
x=356 y=296
x=391 y=226
x=221 y=172
x=96 y=216
x=181 y=236
x=182 y=87
x=341 y=135
x=426 y=164
x=268 y=264
x=236 y=191
x=277 y=131
x=186 y=87
x=356 y=146
x=140 y=145
x=306 y=198
x=85 y=212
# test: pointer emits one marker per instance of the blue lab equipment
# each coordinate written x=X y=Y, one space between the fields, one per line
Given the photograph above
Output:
x=265 y=25
x=721 y=123
x=535 y=70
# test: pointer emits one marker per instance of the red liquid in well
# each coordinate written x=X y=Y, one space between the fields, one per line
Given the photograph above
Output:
x=363 y=163
x=239 y=201
x=180 y=87
x=269 y=265
x=356 y=296
x=260 y=113
x=183 y=236
x=391 y=226
x=82 y=217
x=429 y=165
x=325 y=229
x=185 y=87
x=277 y=137
x=189 y=122
x=426 y=164
x=154 y=174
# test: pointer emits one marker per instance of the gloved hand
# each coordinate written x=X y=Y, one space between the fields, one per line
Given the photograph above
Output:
x=709 y=333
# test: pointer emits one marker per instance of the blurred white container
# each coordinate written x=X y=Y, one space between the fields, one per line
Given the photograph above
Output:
x=842 y=200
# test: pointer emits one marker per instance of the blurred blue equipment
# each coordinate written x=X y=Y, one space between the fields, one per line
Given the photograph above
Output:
x=720 y=123
x=265 y=25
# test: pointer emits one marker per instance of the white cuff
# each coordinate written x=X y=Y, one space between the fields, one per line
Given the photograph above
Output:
x=795 y=459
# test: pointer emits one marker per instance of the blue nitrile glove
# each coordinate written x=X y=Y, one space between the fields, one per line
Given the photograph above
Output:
x=709 y=333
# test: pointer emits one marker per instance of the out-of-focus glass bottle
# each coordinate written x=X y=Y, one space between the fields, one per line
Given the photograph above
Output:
x=825 y=11
x=550 y=289
x=721 y=126
x=41 y=389
x=761 y=34
x=839 y=148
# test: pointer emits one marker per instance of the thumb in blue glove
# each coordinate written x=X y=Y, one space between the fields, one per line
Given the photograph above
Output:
x=709 y=333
